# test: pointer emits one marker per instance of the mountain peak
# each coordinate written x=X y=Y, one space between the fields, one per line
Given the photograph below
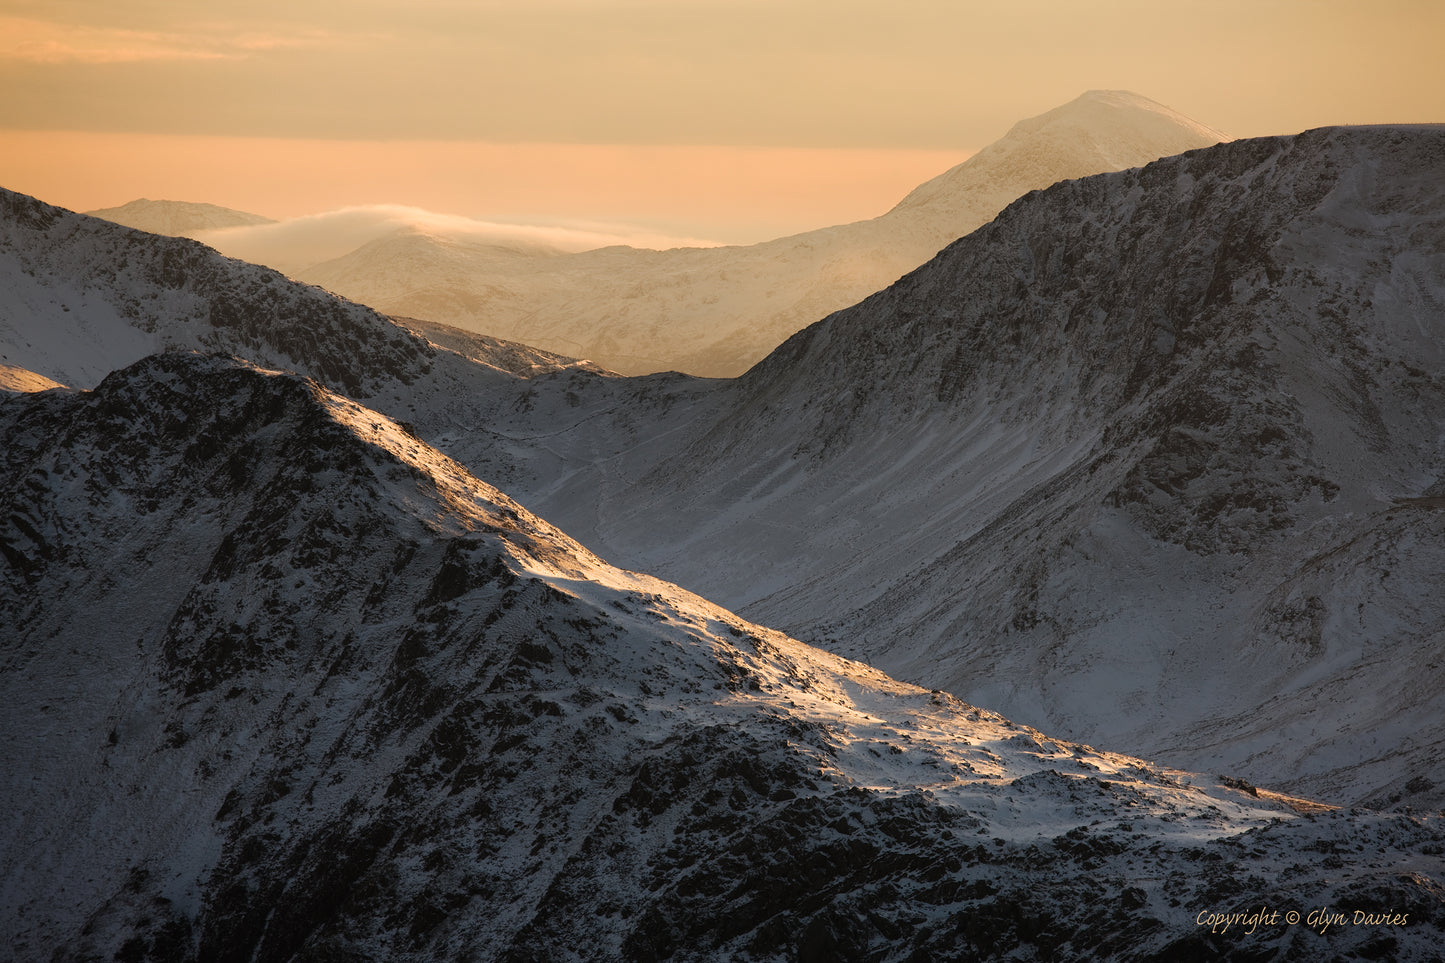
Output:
x=1113 y=112
x=1100 y=130
x=1122 y=98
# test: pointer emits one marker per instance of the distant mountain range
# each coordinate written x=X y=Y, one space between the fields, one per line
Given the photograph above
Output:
x=1152 y=461
x=717 y=311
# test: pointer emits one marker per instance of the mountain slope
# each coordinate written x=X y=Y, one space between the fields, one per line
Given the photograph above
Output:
x=80 y=297
x=716 y=311
x=1208 y=347
x=177 y=218
x=287 y=683
x=1152 y=460
x=83 y=296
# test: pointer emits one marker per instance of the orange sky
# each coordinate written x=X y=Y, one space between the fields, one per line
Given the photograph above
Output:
x=733 y=119
x=684 y=190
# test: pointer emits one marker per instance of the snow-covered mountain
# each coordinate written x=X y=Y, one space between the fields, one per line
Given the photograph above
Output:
x=1098 y=466
x=717 y=311
x=1102 y=130
x=80 y=297
x=1153 y=461
x=280 y=681
x=177 y=218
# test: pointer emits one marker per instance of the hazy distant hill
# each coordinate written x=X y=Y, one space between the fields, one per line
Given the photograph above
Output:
x=717 y=311
x=177 y=218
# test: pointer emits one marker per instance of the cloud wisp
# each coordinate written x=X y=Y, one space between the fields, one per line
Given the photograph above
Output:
x=298 y=243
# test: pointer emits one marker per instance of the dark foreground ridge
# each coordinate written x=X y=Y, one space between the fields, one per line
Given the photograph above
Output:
x=281 y=682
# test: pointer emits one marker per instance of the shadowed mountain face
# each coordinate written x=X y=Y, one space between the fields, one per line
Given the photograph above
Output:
x=1151 y=460
x=283 y=682
x=717 y=311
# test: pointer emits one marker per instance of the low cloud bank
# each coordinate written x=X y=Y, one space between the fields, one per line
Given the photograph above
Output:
x=299 y=243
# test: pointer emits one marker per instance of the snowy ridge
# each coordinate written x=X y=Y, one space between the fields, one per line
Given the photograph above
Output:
x=307 y=688
x=717 y=311
x=163 y=292
x=83 y=296
x=511 y=356
x=16 y=378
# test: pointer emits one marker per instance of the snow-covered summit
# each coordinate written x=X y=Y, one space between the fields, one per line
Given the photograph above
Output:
x=1102 y=130
x=283 y=681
